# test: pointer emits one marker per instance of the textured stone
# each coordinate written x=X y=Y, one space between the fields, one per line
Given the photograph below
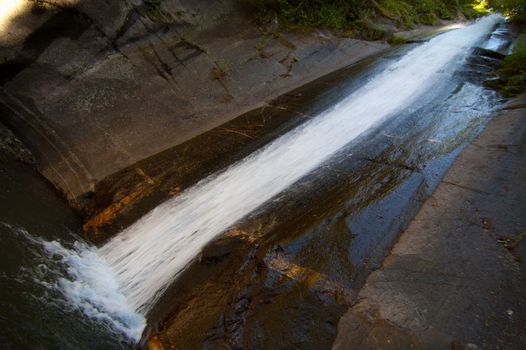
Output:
x=95 y=88
x=456 y=278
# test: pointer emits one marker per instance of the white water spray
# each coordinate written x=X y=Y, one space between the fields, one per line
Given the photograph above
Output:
x=78 y=279
x=151 y=253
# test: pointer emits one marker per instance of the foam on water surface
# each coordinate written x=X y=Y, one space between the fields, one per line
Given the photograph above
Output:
x=78 y=278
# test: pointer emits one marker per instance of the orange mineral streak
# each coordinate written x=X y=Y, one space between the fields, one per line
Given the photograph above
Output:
x=314 y=280
x=154 y=343
x=107 y=215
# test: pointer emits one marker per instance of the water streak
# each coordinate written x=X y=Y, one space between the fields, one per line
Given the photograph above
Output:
x=151 y=253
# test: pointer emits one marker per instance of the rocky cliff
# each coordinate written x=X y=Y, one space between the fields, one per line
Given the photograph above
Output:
x=94 y=86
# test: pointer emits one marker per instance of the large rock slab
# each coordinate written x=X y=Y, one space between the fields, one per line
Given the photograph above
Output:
x=456 y=278
x=93 y=87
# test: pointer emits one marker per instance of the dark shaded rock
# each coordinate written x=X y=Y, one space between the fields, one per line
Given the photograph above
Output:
x=489 y=54
x=11 y=148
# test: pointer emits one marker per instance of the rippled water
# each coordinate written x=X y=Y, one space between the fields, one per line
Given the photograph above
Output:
x=53 y=285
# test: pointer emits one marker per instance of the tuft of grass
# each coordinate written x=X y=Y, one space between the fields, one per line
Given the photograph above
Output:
x=396 y=40
x=154 y=10
x=514 y=69
x=262 y=45
x=220 y=69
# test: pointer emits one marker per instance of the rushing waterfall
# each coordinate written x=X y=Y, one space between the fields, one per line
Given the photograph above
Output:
x=144 y=259
x=151 y=253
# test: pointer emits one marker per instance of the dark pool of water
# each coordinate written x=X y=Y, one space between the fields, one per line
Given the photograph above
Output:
x=33 y=313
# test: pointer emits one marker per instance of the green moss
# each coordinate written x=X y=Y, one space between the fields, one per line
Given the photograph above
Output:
x=396 y=40
x=514 y=69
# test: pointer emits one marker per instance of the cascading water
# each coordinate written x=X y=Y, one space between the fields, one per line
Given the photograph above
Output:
x=150 y=254
x=143 y=260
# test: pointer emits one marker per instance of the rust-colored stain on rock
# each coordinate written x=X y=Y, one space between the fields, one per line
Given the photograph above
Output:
x=154 y=343
x=107 y=215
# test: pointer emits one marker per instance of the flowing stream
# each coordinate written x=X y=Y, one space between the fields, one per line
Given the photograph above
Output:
x=150 y=254
x=121 y=281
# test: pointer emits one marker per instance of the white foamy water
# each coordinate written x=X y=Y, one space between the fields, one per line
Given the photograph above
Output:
x=90 y=285
x=83 y=280
x=128 y=274
x=499 y=41
x=151 y=253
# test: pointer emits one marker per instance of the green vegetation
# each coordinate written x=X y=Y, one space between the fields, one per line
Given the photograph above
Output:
x=513 y=70
x=515 y=9
x=397 y=40
x=356 y=17
x=410 y=12
x=337 y=14
x=359 y=18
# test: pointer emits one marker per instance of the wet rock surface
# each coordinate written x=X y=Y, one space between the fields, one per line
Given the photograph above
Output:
x=456 y=277
x=284 y=276
x=12 y=149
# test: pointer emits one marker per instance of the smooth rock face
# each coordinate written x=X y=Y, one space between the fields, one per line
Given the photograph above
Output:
x=456 y=278
x=96 y=86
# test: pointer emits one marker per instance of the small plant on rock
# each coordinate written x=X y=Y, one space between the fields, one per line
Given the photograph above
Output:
x=220 y=69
